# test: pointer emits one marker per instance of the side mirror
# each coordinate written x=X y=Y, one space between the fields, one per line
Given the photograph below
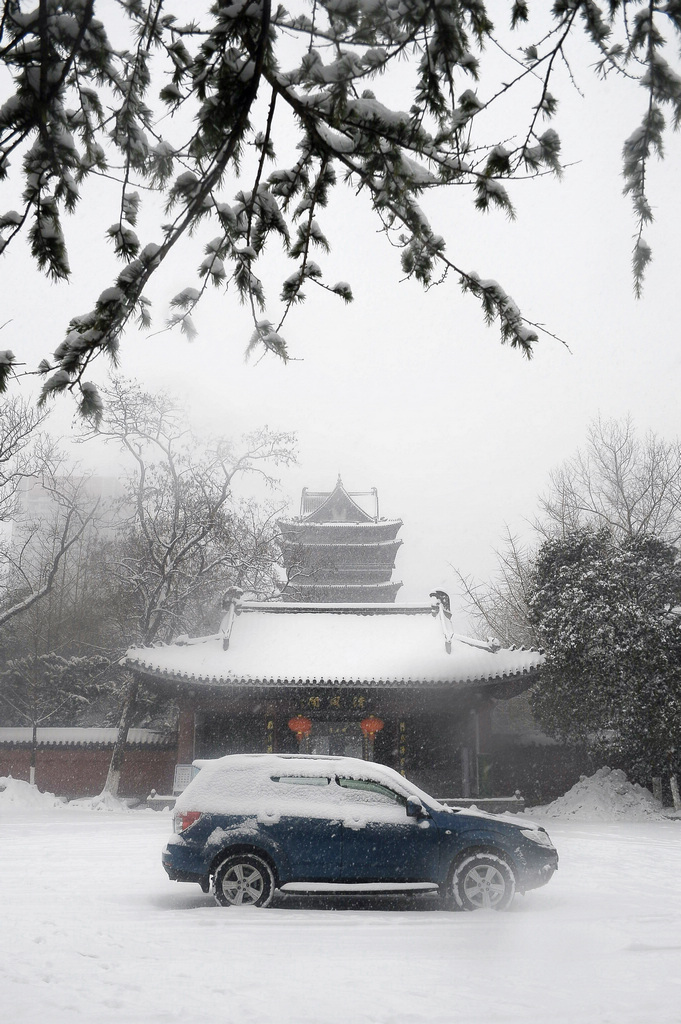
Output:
x=415 y=808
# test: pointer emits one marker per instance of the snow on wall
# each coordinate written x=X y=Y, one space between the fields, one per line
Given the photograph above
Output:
x=79 y=736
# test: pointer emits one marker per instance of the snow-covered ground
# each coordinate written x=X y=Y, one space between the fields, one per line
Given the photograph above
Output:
x=91 y=930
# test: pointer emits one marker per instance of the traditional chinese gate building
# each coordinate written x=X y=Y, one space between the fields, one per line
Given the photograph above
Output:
x=377 y=680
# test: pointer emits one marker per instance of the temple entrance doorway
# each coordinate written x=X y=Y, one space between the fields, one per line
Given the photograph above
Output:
x=336 y=738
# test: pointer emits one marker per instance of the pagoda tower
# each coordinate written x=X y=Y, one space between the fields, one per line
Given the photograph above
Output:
x=338 y=550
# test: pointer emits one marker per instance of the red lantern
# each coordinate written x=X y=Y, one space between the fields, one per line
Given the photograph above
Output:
x=370 y=726
x=300 y=725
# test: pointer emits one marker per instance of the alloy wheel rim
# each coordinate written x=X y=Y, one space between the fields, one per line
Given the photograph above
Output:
x=484 y=886
x=243 y=885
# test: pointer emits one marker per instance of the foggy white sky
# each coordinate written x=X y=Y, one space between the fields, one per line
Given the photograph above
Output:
x=410 y=391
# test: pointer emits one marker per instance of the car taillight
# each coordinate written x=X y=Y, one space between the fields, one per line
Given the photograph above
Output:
x=184 y=820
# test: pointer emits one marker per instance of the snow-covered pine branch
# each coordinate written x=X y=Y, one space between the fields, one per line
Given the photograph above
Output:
x=170 y=107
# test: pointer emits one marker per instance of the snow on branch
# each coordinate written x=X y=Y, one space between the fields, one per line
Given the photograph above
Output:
x=81 y=106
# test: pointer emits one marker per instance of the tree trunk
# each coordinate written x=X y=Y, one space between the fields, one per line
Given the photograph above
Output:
x=657 y=788
x=674 y=783
x=34 y=754
x=118 y=756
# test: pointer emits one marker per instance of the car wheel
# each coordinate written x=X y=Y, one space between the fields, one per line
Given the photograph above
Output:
x=483 y=881
x=243 y=880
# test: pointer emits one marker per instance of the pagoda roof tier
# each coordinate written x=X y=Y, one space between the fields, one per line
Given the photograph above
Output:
x=297 y=531
x=346 y=593
x=265 y=645
x=329 y=556
x=349 y=576
x=355 y=547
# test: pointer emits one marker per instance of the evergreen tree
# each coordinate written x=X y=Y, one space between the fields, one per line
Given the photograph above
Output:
x=206 y=113
x=607 y=613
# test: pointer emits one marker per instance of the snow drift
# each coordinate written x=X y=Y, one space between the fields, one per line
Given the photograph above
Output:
x=18 y=794
x=605 y=796
x=15 y=793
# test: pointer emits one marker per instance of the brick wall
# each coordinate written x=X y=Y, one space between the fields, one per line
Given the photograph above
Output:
x=81 y=771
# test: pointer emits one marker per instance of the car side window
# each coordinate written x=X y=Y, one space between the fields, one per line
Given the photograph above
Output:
x=301 y=780
x=366 y=791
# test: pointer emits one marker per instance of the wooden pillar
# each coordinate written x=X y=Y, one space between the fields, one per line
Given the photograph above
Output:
x=485 y=726
x=270 y=731
x=185 y=735
x=402 y=747
x=465 y=772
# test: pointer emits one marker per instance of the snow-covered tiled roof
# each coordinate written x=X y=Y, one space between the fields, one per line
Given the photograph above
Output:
x=80 y=737
x=383 y=645
x=304 y=525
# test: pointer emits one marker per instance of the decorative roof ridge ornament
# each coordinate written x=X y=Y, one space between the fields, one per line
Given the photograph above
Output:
x=442 y=599
x=491 y=644
x=188 y=641
x=231 y=601
x=441 y=608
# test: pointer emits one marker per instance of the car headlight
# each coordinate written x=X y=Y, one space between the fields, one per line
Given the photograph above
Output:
x=537 y=835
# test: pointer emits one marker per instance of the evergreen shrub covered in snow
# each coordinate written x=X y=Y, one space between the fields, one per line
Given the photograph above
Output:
x=607 y=612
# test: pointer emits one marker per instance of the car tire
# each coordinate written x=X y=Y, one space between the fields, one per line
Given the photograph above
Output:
x=482 y=881
x=243 y=880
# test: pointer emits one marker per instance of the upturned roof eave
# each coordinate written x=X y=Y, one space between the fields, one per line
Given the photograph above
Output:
x=300 y=682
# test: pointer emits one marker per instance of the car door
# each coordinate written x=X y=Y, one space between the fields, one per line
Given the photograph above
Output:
x=380 y=841
x=305 y=823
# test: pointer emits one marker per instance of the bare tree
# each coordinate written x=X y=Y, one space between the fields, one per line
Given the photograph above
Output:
x=184 y=535
x=629 y=483
x=500 y=606
x=619 y=480
x=19 y=427
x=35 y=541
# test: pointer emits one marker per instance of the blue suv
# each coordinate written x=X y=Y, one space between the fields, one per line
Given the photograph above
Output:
x=254 y=823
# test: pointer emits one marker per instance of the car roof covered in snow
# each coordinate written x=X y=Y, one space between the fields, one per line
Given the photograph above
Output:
x=250 y=779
